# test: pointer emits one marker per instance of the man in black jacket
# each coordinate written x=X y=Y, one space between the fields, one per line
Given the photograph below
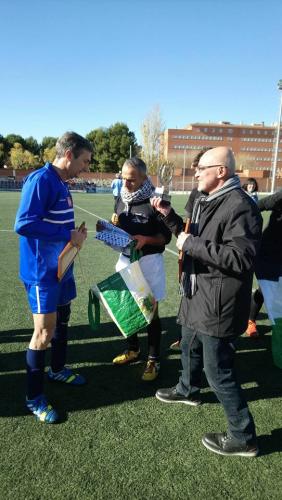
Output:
x=195 y=193
x=217 y=283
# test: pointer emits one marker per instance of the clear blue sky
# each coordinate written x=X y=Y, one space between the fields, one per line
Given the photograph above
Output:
x=81 y=64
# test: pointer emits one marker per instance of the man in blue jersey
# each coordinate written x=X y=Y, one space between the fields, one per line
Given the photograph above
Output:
x=45 y=223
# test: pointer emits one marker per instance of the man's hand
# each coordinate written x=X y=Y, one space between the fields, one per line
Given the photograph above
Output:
x=78 y=236
x=156 y=202
x=141 y=241
x=114 y=219
x=181 y=240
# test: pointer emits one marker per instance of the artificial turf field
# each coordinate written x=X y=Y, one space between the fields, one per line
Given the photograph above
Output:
x=116 y=441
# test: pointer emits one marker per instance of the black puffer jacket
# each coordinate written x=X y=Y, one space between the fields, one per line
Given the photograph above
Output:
x=224 y=253
x=269 y=262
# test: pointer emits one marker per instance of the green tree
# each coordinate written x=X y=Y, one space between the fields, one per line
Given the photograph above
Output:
x=32 y=145
x=30 y=160
x=122 y=143
x=17 y=155
x=49 y=154
x=12 y=139
x=99 y=140
x=4 y=151
x=22 y=158
x=112 y=146
x=48 y=142
x=2 y=154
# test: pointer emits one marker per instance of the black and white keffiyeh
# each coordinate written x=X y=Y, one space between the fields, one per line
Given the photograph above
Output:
x=188 y=282
x=143 y=193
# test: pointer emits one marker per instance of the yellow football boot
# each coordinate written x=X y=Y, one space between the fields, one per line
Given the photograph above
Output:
x=126 y=357
x=151 y=371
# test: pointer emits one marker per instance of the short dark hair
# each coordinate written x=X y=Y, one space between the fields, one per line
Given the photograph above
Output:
x=73 y=142
x=251 y=180
x=199 y=155
x=137 y=163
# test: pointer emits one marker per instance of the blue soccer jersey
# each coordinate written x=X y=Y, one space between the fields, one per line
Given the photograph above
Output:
x=44 y=222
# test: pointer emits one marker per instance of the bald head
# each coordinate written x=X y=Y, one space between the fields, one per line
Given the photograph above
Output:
x=219 y=156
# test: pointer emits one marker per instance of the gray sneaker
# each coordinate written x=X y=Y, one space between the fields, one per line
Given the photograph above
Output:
x=171 y=395
x=223 y=444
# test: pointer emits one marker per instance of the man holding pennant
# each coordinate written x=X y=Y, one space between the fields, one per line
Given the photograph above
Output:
x=135 y=215
x=45 y=223
x=216 y=285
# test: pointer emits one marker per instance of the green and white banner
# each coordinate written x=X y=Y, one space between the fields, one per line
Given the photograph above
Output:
x=128 y=299
x=272 y=294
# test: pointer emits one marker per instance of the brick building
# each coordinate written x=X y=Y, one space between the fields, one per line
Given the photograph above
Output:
x=253 y=145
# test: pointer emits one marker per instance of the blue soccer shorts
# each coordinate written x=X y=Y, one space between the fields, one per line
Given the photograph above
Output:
x=46 y=299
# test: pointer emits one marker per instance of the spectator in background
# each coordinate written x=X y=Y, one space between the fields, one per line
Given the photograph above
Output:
x=116 y=186
x=269 y=261
x=251 y=187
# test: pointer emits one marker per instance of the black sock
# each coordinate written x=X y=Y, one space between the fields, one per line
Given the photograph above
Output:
x=154 y=330
x=35 y=363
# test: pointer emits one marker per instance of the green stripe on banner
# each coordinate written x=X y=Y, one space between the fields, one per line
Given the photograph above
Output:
x=277 y=342
x=127 y=314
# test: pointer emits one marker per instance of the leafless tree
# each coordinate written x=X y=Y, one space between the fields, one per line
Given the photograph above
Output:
x=152 y=129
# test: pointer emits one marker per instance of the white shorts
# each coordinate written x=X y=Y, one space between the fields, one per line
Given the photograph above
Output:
x=152 y=267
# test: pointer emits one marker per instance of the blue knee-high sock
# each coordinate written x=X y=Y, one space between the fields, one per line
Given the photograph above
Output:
x=35 y=363
x=59 y=340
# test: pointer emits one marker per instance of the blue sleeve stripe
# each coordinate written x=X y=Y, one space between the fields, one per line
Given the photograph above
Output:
x=38 y=300
x=60 y=211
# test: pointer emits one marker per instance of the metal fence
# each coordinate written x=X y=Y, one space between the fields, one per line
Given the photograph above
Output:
x=183 y=186
x=176 y=186
x=80 y=187
x=11 y=185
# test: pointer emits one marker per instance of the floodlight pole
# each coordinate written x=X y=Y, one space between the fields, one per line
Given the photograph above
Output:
x=275 y=160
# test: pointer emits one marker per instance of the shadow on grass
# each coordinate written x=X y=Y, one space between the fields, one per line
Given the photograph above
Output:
x=15 y=336
x=270 y=443
x=109 y=385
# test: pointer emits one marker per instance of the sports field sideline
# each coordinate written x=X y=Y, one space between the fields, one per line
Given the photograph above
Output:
x=116 y=441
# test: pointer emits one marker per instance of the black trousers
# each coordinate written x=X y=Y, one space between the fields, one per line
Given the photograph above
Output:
x=216 y=357
x=154 y=331
x=256 y=304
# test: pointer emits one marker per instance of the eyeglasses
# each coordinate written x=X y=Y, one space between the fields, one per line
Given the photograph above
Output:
x=200 y=169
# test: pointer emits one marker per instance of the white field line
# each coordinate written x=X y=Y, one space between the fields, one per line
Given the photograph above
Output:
x=99 y=217
x=89 y=231
x=12 y=231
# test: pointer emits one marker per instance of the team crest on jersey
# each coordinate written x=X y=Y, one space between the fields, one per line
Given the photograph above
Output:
x=69 y=200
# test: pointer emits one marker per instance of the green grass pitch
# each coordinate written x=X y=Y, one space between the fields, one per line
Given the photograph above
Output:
x=116 y=441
